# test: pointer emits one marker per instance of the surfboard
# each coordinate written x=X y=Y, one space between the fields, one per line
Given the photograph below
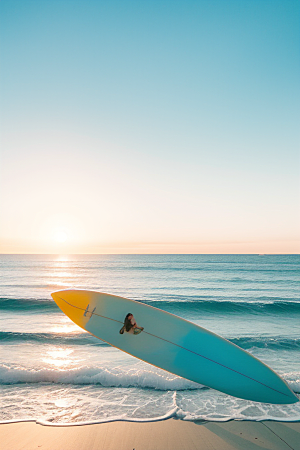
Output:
x=175 y=345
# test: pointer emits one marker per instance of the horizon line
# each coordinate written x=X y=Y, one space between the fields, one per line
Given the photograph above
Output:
x=147 y=254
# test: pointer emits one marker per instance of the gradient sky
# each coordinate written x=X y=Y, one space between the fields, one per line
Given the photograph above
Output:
x=150 y=126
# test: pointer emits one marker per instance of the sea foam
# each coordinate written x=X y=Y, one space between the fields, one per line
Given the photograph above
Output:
x=113 y=377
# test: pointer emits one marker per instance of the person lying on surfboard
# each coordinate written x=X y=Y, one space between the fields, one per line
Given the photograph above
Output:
x=130 y=325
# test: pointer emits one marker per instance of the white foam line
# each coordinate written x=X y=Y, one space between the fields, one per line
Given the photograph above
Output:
x=2 y=422
x=74 y=424
x=169 y=415
x=154 y=419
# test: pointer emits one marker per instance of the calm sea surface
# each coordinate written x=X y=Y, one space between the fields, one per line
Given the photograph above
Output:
x=51 y=370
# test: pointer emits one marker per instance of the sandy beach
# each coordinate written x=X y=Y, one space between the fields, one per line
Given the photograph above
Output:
x=166 y=435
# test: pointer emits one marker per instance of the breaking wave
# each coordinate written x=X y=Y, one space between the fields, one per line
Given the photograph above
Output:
x=116 y=377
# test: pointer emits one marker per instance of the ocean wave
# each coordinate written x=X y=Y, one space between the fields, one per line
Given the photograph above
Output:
x=50 y=338
x=115 y=377
x=176 y=304
x=27 y=304
x=207 y=267
x=272 y=343
x=245 y=342
x=268 y=305
x=111 y=377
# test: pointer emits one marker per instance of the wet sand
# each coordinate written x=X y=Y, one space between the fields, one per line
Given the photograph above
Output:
x=165 y=435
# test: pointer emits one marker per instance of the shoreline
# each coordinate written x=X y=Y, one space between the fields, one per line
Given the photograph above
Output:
x=50 y=423
x=169 y=434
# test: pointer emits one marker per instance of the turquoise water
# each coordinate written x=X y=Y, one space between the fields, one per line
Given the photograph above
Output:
x=51 y=370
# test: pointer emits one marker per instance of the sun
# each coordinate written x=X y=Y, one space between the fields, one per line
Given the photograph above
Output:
x=60 y=236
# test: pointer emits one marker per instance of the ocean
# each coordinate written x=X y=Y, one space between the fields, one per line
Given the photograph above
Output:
x=51 y=371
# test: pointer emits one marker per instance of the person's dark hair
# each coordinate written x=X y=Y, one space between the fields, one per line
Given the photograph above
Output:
x=127 y=324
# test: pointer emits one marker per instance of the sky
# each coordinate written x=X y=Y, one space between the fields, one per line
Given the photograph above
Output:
x=149 y=126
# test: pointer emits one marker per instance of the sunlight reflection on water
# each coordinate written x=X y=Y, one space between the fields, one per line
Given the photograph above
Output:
x=57 y=357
